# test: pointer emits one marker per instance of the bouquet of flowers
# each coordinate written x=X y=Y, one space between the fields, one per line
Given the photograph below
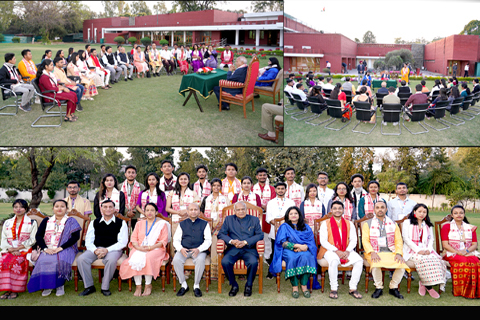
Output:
x=205 y=70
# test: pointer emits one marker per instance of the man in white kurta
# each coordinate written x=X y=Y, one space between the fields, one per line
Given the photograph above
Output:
x=276 y=208
x=332 y=254
x=294 y=190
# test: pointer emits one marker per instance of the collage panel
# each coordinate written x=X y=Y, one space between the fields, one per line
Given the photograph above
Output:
x=388 y=80
x=168 y=73
x=87 y=204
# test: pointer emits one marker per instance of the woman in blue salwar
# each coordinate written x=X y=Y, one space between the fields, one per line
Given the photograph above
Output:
x=295 y=244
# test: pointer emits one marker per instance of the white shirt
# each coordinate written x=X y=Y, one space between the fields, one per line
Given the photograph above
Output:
x=207 y=236
x=329 y=65
x=398 y=209
x=325 y=196
x=302 y=94
x=122 y=239
x=466 y=67
x=352 y=240
x=105 y=60
x=120 y=60
x=166 y=54
x=276 y=208
x=288 y=88
x=328 y=86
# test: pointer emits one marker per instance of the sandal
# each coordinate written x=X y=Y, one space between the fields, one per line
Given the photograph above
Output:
x=67 y=119
x=355 y=294
x=333 y=295
x=13 y=295
x=5 y=295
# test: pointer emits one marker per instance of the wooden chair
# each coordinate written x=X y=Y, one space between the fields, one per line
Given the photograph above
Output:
x=273 y=90
x=189 y=265
x=240 y=267
x=278 y=126
x=84 y=222
x=323 y=262
x=98 y=264
x=410 y=264
x=247 y=88
x=38 y=217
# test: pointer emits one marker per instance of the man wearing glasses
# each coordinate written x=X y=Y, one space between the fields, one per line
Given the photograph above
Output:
x=324 y=193
x=75 y=201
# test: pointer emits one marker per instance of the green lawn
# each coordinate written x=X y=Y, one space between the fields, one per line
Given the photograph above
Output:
x=298 y=133
x=140 y=112
x=270 y=297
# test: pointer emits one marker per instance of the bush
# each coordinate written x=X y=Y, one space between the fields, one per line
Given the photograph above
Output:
x=119 y=40
x=278 y=52
x=146 y=41
x=16 y=40
x=132 y=40
x=326 y=70
x=51 y=193
x=12 y=193
x=163 y=42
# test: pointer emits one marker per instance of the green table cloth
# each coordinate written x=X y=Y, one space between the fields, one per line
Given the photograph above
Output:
x=378 y=83
x=201 y=83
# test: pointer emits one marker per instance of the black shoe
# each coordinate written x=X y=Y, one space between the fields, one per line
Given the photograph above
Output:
x=182 y=291
x=154 y=74
x=106 y=293
x=233 y=292
x=270 y=276
x=225 y=107
x=126 y=79
x=197 y=292
x=79 y=107
x=130 y=78
x=248 y=291
x=395 y=293
x=87 y=291
x=158 y=74
x=377 y=293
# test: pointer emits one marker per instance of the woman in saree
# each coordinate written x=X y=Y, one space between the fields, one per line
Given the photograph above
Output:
x=417 y=233
x=210 y=57
x=182 y=60
x=88 y=83
x=148 y=251
x=57 y=237
x=48 y=82
x=295 y=244
x=459 y=241
x=197 y=58
x=212 y=207
x=18 y=236
x=140 y=62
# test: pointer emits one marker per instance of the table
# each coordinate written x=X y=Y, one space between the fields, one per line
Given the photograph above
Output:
x=378 y=83
x=203 y=84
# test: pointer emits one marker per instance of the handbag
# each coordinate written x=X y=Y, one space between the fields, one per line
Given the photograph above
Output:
x=148 y=74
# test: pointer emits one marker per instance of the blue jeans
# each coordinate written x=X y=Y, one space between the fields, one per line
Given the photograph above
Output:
x=79 y=92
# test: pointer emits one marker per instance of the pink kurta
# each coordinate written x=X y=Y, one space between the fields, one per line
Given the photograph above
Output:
x=155 y=258
x=141 y=66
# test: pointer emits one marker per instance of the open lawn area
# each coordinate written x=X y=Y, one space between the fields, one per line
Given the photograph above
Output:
x=298 y=133
x=269 y=297
x=135 y=113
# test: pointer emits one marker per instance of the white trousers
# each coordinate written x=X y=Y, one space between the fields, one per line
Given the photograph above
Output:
x=333 y=263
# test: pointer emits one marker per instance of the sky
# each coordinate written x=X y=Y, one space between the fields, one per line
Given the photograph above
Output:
x=231 y=5
x=387 y=19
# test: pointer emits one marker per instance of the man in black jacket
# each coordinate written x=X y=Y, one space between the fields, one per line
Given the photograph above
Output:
x=10 y=78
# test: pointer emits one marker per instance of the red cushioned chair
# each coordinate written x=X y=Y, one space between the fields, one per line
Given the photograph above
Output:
x=248 y=88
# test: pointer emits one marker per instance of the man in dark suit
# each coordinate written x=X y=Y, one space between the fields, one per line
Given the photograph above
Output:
x=240 y=232
x=237 y=73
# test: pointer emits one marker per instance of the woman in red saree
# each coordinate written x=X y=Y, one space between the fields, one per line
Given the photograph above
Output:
x=182 y=60
x=47 y=81
x=18 y=236
x=459 y=240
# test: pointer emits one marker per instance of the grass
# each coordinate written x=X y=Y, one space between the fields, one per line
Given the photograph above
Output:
x=270 y=297
x=140 y=112
x=297 y=133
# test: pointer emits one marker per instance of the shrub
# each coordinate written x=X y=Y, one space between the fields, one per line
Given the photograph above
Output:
x=12 y=193
x=326 y=70
x=51 y=193
x=163 y=42
x=16 y=40
x=146 y=41
x=132 y=40
x=119 y=40
x=278 y=52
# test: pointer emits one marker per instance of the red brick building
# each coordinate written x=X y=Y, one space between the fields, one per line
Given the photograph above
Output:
x=458 y=49
x=251 y=29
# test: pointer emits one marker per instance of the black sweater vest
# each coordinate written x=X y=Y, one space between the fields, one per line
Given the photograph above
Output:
x=106 y=235
x=192 y=233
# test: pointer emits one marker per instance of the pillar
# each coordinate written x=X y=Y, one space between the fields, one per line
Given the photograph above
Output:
x=237 y=37
x=185 y=38
x=173 y=33
x=257 y=38
x=281 y=38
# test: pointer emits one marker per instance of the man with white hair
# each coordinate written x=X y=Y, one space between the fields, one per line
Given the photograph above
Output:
x=236 y=73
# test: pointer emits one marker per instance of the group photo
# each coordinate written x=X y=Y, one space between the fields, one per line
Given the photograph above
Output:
x=379 y=85
x=122 y=225
x=116 y=68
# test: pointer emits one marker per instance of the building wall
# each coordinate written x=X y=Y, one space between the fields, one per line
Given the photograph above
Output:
x=379 y=49
x=297 y=26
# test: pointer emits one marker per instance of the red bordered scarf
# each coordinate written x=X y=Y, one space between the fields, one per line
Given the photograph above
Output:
x=131 y=202
x=265 y=195
x=187 y=199
x=237 y=187
x=251 y=198
x=214 y=207
x=53 y=232
x=369 y=203
x=340 y=241
x=205 y=192
x=30 y=66
x=455 y=235
x=347 y=208
x=294 y=192
x=375 y=233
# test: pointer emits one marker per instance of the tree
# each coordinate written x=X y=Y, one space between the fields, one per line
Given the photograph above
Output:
x=468 y=160
x=389 y=178
x=42 y=16
x=140 y=8
x=189 y=160
x=110 y=9
x=369 y=37
x=357 y=40
x=473 y=27
x=267 y=6
x=6 y=14
x=185 y=6
x=160 y=7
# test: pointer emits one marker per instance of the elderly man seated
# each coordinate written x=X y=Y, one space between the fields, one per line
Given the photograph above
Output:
x=383 y=89
x=236 y=73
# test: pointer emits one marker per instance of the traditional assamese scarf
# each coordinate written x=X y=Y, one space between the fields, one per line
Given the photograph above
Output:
x=130 y=202
x=389 y=226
